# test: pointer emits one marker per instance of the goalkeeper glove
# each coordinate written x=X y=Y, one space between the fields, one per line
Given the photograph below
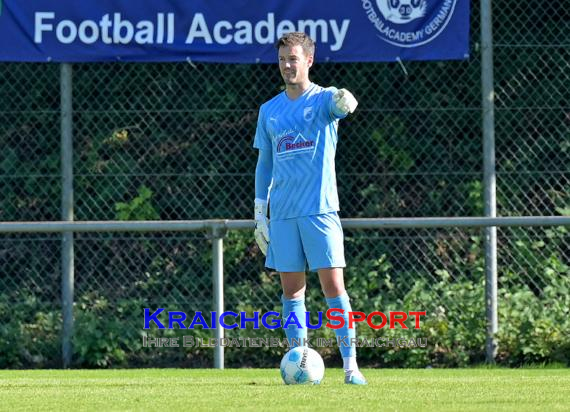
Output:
x=261 y=225
x=344 y=101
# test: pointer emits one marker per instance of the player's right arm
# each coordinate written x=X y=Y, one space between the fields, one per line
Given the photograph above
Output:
x=263 y=173
x=263 y=176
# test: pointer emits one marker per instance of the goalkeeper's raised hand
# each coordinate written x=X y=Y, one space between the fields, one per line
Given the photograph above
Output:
x=344 y=102
x=261 y=225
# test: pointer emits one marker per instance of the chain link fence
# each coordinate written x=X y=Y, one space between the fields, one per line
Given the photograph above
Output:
x=174 y=141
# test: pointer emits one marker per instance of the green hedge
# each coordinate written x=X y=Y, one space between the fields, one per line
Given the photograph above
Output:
x=534 y=323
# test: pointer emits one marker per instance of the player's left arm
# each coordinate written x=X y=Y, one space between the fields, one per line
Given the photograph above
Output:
x=343 y=103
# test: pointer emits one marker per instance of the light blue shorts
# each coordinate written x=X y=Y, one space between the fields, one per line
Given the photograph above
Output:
x=316 y=239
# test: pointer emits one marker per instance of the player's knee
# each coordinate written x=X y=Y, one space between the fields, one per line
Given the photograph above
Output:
x=333 y=291
x=293 y=293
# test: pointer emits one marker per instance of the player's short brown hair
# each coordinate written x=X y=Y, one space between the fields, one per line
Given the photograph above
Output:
x=297 y=39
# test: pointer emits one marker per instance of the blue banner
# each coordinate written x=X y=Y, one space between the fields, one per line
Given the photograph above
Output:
x=231 y=31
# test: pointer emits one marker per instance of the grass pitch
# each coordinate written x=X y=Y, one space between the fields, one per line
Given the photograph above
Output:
x=262 y=389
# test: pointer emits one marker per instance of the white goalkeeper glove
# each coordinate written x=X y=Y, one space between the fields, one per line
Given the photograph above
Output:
x=344 y=101
x=261 y=225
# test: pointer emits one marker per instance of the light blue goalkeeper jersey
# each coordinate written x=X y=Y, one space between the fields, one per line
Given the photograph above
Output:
x=302 y=136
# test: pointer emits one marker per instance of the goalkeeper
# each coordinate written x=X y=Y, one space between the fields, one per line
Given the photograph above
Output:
x=296 y=137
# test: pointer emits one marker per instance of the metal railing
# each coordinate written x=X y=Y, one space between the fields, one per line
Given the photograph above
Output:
x=218 y=229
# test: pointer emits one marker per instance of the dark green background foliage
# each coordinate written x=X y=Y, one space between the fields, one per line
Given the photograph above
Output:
x=173 y=141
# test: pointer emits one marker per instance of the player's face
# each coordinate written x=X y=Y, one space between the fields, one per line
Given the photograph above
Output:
x=294 y=65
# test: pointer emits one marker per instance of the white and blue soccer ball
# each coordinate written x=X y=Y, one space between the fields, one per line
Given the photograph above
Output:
x=302 y=366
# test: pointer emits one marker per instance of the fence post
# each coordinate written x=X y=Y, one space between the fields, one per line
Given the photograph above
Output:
x=67 y=257
x=218 y=288
x=488 y=104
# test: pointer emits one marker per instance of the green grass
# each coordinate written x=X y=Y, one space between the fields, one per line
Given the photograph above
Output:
x=262 y=389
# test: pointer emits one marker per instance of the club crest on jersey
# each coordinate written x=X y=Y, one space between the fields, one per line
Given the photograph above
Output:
x=409 y=23
x=291 y=144
x=308 y=113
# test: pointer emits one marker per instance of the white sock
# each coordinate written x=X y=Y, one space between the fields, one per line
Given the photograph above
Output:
x=349 y=363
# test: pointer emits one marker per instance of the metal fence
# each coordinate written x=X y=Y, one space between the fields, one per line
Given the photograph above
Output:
x=173 y=142
x=171 y=271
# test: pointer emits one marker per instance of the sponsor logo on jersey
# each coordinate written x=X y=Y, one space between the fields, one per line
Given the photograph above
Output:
x=293 y=144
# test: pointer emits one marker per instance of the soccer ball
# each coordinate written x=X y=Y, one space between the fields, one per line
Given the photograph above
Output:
x=302 y=366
